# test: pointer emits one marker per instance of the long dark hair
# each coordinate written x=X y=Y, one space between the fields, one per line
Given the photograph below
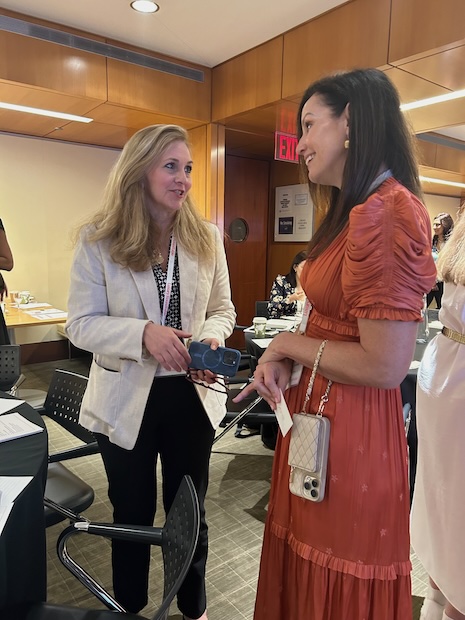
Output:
x=291 y=276
x=447 y=224
x=379 y=138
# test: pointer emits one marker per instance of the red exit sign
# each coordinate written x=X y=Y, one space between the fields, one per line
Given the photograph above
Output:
x=285 y=147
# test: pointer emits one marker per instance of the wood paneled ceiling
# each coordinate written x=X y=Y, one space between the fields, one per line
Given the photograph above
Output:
x=252 y=132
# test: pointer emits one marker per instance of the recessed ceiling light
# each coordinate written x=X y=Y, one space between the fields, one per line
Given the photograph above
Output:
x=41 y=112
x=450 y=183
x=144 y=6
x=431 y=100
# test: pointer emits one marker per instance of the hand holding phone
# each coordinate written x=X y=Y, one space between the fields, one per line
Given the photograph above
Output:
x=221 y=361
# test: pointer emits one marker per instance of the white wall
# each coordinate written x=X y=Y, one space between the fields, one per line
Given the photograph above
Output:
x=46 y=188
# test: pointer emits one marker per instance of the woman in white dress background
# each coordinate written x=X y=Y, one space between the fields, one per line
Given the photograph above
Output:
x=438 y=511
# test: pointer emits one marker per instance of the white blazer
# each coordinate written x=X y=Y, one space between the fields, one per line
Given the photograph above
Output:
x=108 y=308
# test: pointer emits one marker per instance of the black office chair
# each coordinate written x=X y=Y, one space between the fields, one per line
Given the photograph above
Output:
x=261 y=308
x=62 y=404
x=10 y=367
x=177 y=539
x=11 y=377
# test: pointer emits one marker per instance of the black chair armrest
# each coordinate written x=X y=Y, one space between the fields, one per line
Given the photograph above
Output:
x=131 y=533
x=74 y=453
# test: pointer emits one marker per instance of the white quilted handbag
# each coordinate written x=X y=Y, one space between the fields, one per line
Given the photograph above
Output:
x=308 y=448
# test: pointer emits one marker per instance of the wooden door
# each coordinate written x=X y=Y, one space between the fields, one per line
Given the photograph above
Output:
x=246 y=197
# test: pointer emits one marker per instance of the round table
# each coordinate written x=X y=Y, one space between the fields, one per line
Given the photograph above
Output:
x=23 y=563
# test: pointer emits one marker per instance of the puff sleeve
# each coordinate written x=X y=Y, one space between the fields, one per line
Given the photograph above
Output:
x=388 y=265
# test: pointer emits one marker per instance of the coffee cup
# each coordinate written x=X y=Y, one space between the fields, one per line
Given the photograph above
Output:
x=24 y=297
x=259 y=326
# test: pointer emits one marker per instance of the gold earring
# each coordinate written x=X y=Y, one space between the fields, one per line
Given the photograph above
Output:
x=346 y=144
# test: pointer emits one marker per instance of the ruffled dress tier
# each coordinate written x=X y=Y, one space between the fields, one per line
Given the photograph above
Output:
x=347 y=557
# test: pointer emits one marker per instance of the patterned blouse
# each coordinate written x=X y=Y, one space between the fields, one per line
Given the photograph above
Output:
x=173 y=316
x=277 y=307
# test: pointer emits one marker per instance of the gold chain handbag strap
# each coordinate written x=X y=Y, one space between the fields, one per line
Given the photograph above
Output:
x=324 y=398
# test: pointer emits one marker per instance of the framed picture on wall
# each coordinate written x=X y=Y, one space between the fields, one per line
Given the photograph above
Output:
x=293 y=215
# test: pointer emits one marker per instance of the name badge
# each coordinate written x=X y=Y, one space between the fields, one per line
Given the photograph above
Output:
x=283 y=416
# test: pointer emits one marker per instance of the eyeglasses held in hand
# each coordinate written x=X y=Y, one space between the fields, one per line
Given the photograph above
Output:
x=220 y=385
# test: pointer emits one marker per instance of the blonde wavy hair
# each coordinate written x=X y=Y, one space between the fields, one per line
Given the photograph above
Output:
x=124 y=219
x=451 y=261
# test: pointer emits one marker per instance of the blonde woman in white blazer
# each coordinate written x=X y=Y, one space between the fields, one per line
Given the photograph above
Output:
x=148 y=273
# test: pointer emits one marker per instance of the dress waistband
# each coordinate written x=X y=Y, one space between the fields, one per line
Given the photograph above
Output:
x=453 y=335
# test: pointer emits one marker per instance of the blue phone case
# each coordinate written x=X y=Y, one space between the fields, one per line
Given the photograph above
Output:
x=222 y=361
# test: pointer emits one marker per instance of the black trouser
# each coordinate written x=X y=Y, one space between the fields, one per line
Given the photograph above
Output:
x=176 y=427
x=437 y=295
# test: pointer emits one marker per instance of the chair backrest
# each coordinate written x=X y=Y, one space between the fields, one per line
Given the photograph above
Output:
x=261 y=308
x=10 y=365
x=63 y=402
x=179 y=540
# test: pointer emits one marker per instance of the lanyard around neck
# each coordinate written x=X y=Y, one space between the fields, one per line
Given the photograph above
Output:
x=387 y=174
x=169 y=280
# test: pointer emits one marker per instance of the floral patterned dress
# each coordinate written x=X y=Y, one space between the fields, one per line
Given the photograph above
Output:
x=277 y=307
x=347 y=557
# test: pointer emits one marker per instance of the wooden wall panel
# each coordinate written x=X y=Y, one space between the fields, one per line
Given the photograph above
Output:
x=420 y=26
x=426 y=152
x=353 y=35
x=450 y=159
x=198 y=141
x=246 y=196
x=55 y=67
x=215 y=174
x=207 y=144
x=442 y=157
x=248 y=81
x=146 y=89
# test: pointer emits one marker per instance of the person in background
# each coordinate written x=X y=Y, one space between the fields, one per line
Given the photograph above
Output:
x=149 y=273
x=287 y=295
x=369 y=265
x=6 y=264
x=438 y=509
x=443 y=225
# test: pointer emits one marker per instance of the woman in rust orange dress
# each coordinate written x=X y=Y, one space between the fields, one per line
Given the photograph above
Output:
x=369 y=265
